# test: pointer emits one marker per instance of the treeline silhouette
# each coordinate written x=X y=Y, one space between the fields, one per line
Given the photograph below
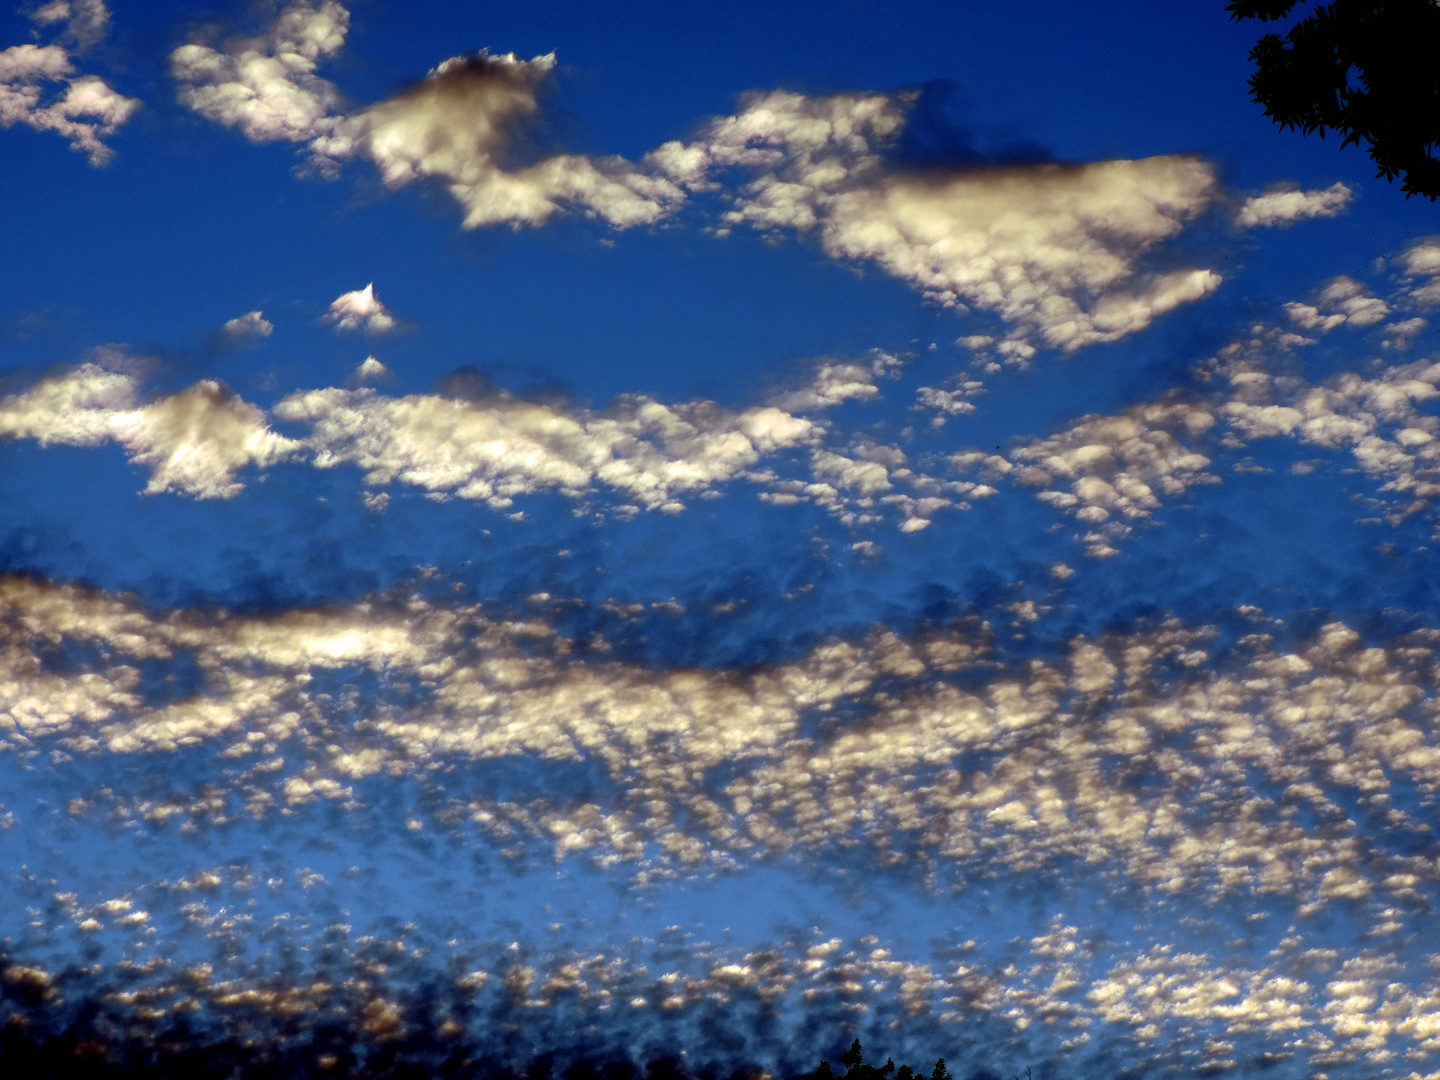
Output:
x=109 y=1033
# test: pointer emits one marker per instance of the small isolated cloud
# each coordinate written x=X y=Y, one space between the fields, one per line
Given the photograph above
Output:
x=361 y=310
x=1342 y=300
x=40 y=88
x=370 y=371
x=252 y=324
x=1286 y=205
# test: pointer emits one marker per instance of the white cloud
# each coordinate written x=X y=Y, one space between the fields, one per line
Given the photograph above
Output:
x=370 y=370
x=1286 y=205
x=499 y=447
x=1110 y=471
x=83 y=109
x=252 y=324
x=456 y=125
x=192 y=442
x=1342 y=300
x=1052 y=249
x=361 y=310
x=1422 y=260
x=267 y=86
x=833 y=382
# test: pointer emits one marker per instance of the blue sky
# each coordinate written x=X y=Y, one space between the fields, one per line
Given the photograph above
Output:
x=721 y=529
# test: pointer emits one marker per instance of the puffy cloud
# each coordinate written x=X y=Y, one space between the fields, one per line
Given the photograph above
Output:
x=86 y=21
x=252 y=324
x=458 y=125
x=1287 y=205
x=499 y=447
x=83 y=110
x=370 y=370
x=1110 y=471
x=192 y=442
x=1342 y=300
x=1376 y=419
x=267 y=86
x=1199 y=723
x=833 y=382
x=361 y=310
x=1421 y=260
x=1052 y=249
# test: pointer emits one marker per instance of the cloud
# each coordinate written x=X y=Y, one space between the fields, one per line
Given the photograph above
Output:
x=192 y=442
x=252 y=324
x=494 y=447
x=1055 y=251
x=267 y=86
x=1286 y=205
x=1422 y=260
x=459 y=125
x=361 y=310
x=1110 y=471
x=370 y=370
x=86 y=21
x=84 y=109
x=1052 y=249
x=1242 y=786
x=497 y=448
x=1342 y=300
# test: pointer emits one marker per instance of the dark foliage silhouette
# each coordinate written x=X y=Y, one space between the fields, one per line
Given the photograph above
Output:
x=856 y=1069
x=1365 y=69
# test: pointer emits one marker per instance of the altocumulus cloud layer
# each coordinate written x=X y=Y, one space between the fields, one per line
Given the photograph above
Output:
x=1079 y=821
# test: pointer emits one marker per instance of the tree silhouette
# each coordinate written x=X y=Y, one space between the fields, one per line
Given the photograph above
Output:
x=856 y=1069
x=1366 y=69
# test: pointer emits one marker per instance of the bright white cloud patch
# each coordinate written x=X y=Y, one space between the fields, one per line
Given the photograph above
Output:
x=1342 y=300
x=192 y=442
x=455 y=126
x=40 y=87
x=267 y=86
x=1287 y=205
x=1053 y=250
x=499 y=447
x=361 y=310
x=1420 y=264
x=252 y=324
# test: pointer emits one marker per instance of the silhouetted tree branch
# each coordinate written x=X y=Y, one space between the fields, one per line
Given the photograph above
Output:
x=1364 y=68
x=856 y=1069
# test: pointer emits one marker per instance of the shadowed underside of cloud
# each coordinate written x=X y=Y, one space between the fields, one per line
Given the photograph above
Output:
x=1286 y=787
